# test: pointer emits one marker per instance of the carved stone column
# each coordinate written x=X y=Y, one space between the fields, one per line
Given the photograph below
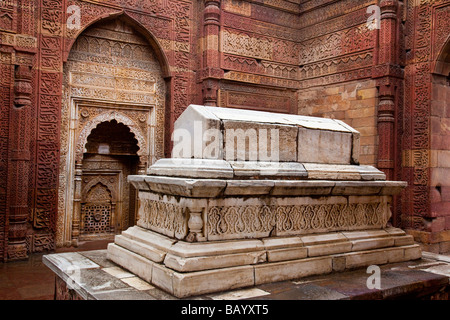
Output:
x=386 y=130
x=114 y=218
x=388 y=51
x=76 y=219
x=195 y=225
x=19 y=155
x=211 y=72
x=387 y=72
x=142 y=165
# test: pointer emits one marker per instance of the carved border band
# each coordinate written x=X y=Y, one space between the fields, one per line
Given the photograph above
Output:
x=237 y=218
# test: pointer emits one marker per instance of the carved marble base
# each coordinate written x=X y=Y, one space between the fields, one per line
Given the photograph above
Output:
x=186 y=269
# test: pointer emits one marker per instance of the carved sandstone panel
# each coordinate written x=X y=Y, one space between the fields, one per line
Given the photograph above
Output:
x=333 y=66
x=237 y=95
x=5 y=101
x=47 y=122
x=272 y=103
x=329 y=12
x=238 y=6
x=442 y=21
x=111 y=74
x=246 y=45
x=115 y=71
x=336 y=44
x=112 y=63
x=251 y=65
x=247 y=24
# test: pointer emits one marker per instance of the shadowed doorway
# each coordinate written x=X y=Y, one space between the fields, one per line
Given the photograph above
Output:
x=107 y=201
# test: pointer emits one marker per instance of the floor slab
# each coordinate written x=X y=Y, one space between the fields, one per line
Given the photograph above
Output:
x=419 y=279
x=32 y=280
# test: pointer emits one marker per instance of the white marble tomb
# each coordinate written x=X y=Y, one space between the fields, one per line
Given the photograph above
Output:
x=255 y=197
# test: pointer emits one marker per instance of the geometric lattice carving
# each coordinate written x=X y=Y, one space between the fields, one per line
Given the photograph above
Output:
x=97 y=212
x=97 y=218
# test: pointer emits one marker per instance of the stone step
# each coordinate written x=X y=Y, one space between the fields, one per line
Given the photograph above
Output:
x=147 y=253
x=185 y=284
x=423 y=278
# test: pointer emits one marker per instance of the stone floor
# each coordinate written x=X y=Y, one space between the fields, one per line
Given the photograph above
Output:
x=428 y=277
x=32 y=280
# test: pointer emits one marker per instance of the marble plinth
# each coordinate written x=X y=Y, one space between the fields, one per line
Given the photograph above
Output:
x=201 y=236
x=187 y=269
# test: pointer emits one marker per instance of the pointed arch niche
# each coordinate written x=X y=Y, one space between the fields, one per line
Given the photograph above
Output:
x=113 y=73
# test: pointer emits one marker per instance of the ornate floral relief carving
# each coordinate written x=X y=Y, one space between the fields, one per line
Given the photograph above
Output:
x=231 y=62
x=259 y=27
x=239 y=221
x=285 y=51
x=268 y=14
x=261 y=80
x=291 y=6
x=167 y=218
x=235 y=218
x=43 y=210
x=42 y=242
x=243 y=64
x=88 y=12
x=336 y=44
x=426 y=30
x=98 y=193
x=231 y=222
x=340 y=77
x=245 y=45
x=252 y=92
x=314 y=17
x=111 y=173
x=6 y=19
x=89 y=112
x=273 y=103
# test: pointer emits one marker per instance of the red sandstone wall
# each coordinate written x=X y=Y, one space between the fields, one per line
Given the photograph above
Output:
x=440 y=161
x=405 y=127
x=425 y=211
x=313 y=57
x=355 y=102
x=259 y=47
x=34 y=35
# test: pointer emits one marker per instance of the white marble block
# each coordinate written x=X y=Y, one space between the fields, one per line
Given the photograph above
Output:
x=245 y=135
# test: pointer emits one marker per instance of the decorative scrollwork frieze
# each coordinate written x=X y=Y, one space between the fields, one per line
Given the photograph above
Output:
x=235 y=218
